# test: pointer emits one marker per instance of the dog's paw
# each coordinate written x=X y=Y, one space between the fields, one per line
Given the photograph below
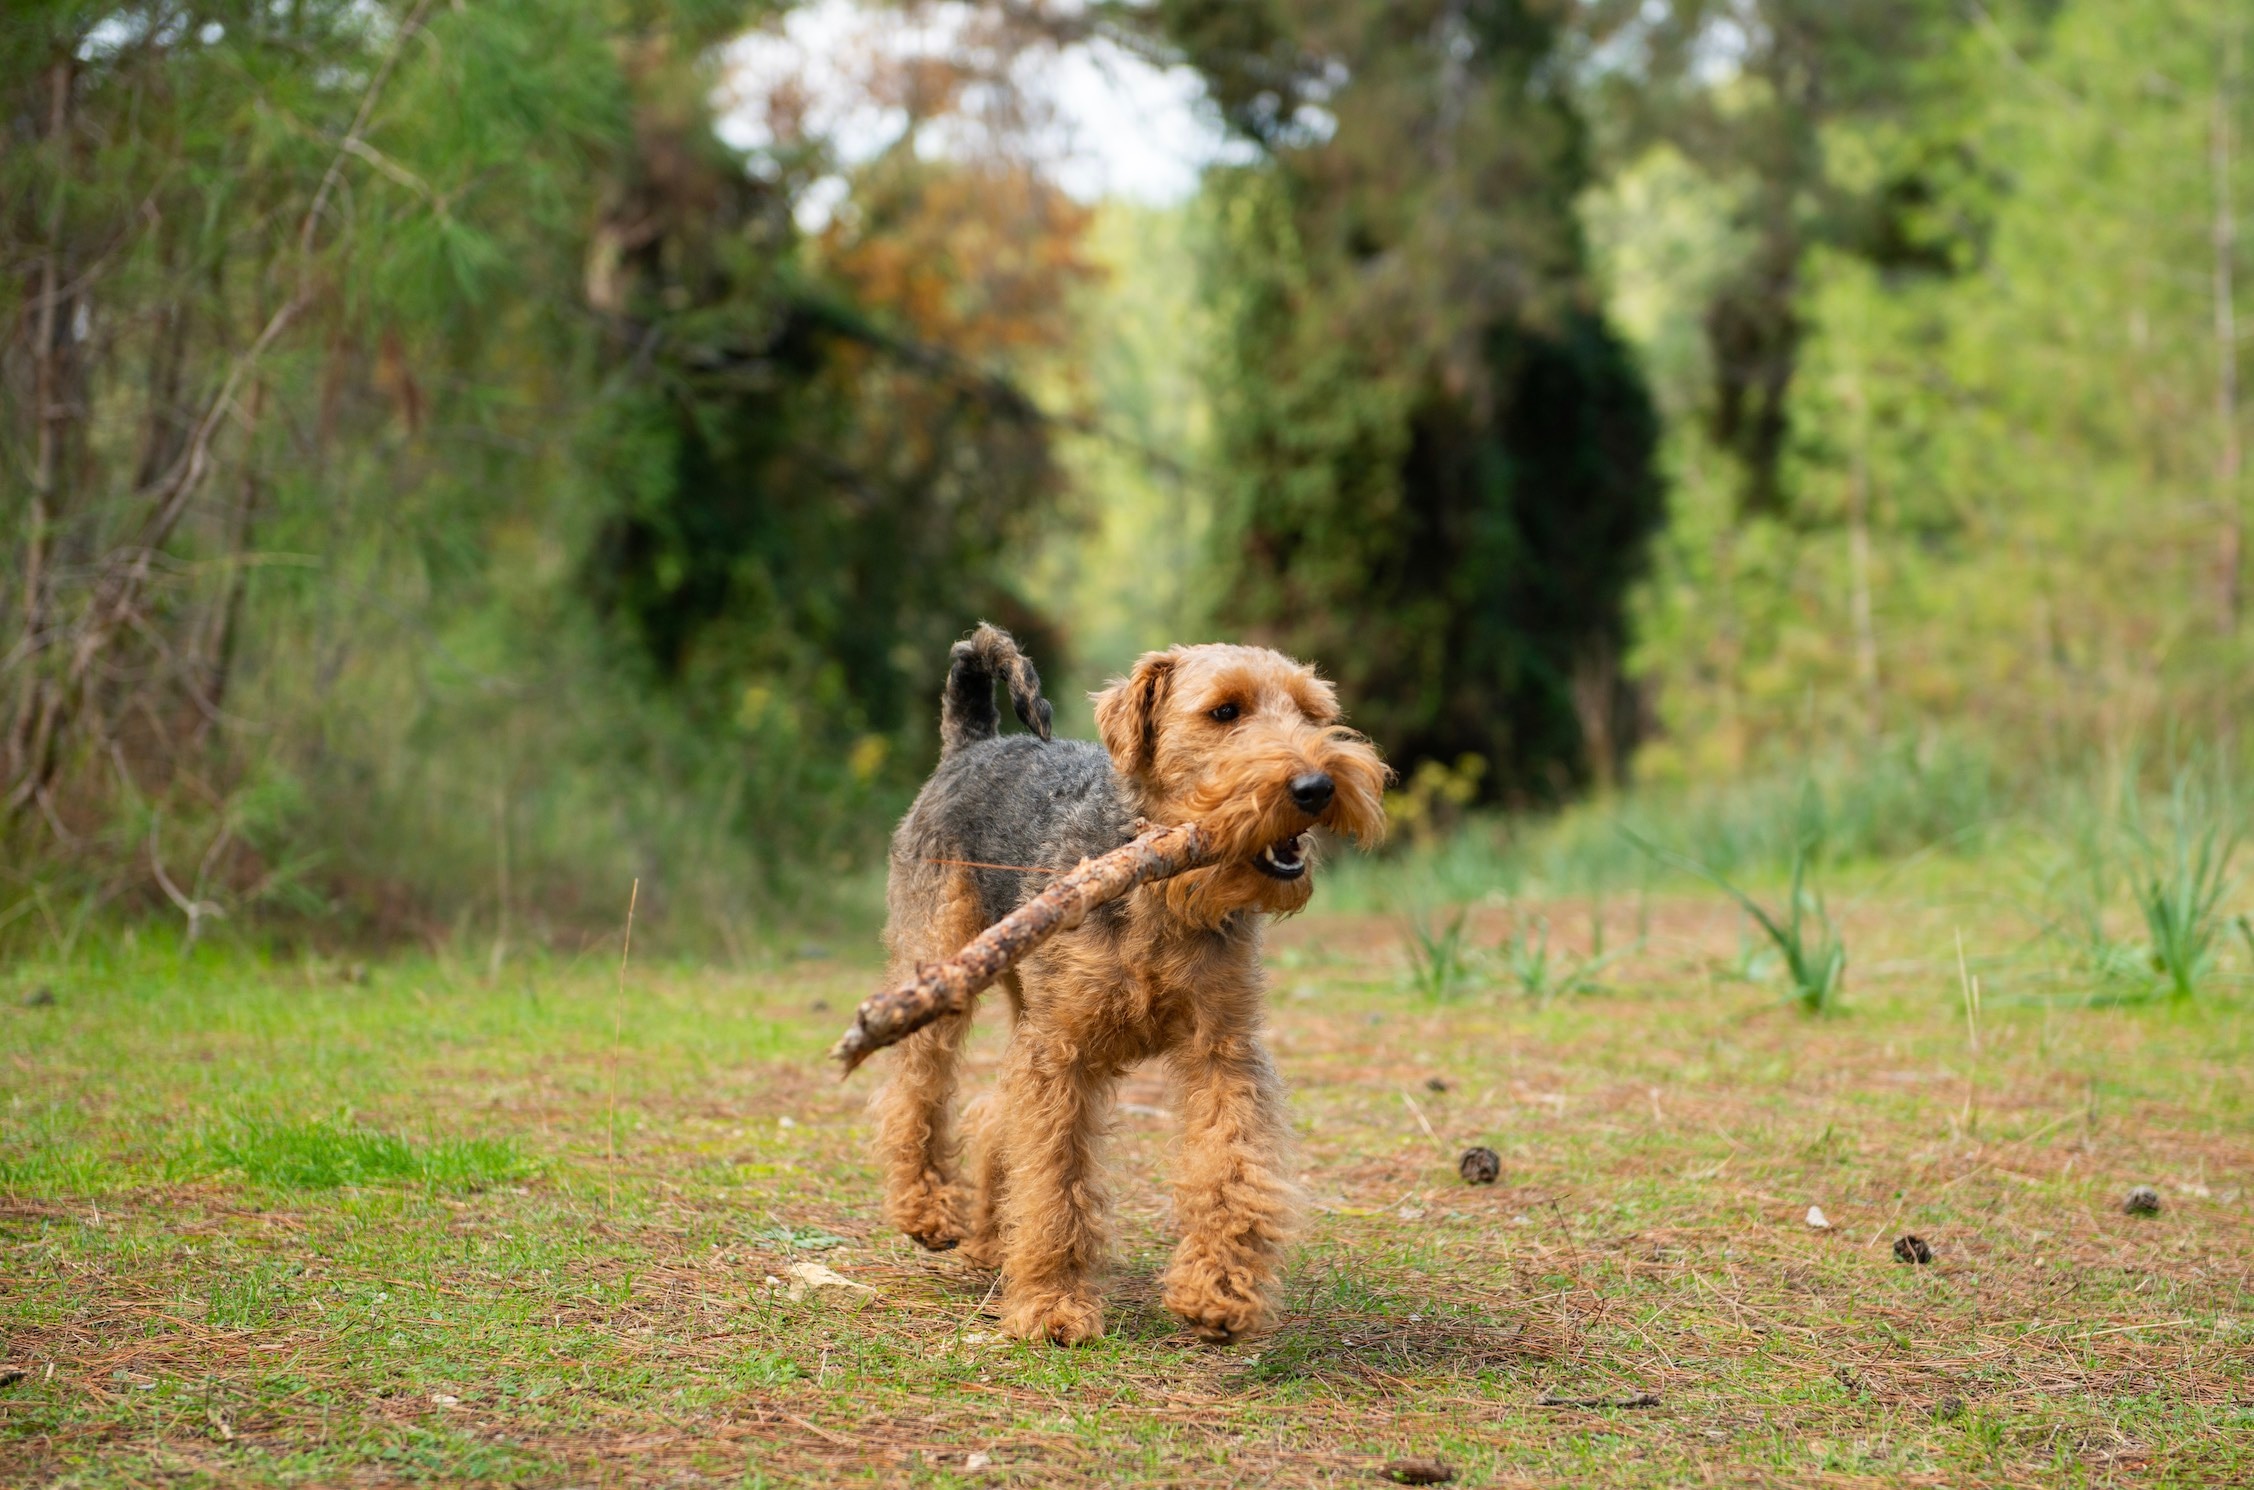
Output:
x=1060 y=1317
x=1216 y=1312
x=930 y=1213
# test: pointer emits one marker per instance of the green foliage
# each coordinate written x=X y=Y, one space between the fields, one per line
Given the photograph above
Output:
x=442 y=482
x=1434 y=460
x=462 y=487
x=2002 y=495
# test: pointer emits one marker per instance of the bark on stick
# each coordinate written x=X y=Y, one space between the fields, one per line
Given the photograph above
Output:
x=947 y=986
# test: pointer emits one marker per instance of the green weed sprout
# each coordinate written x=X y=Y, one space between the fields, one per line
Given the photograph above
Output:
x=1542 y=978
x=1815 y=958
x=1439 y=963
x=2181 y=886
x=1528 y=958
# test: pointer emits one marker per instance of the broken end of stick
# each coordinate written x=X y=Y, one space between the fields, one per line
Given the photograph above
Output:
x=851 y=1049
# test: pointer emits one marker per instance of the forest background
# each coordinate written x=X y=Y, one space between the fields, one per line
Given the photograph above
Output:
x=460 y=458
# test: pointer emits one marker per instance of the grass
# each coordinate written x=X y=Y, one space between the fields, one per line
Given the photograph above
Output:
x=1439 y=962
x=2181 y=884
x=1906 y=799
x=268 y=1225
x=327 y=1154
x=1804 y=935
x=2179 y=878
x=1542 y=973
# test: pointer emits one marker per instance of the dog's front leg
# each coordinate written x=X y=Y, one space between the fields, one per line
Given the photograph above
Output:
x=1052 y=1200
x=1234 y=1196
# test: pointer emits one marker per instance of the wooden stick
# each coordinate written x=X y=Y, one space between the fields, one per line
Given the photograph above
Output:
x=947 y=986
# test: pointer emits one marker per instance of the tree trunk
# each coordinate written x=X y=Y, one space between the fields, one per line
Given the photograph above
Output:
x=2229 y=454
x=1859 y=569
x=30 y=719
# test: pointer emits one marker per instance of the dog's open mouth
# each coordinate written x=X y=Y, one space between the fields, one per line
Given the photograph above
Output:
x=1284 y=860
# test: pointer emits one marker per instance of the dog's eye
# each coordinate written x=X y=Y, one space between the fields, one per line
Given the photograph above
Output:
x=1223 y=714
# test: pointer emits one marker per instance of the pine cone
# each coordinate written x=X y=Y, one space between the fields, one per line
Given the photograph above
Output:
x=1912 y=1249
x=2142 y=1201
x=1480 y=1166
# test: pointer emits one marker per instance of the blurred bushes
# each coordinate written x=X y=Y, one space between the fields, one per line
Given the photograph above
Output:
x=443 y=482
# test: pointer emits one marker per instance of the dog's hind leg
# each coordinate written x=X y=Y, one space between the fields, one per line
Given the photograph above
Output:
x=918 y=1147
x=990 y=1162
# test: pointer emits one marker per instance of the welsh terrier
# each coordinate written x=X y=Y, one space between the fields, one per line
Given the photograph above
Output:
x=1241 y=739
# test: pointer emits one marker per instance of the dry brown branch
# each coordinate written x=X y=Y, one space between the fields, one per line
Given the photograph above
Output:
x=947 y=986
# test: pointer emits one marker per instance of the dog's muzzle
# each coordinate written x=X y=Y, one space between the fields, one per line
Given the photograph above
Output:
x=1286 y=860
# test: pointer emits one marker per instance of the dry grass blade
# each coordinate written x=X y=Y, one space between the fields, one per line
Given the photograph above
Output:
x=1631 y=1399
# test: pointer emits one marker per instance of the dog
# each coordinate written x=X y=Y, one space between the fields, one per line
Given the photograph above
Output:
x=1241 y=739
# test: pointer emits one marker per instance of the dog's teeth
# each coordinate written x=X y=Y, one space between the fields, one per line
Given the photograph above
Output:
x=1287 y=859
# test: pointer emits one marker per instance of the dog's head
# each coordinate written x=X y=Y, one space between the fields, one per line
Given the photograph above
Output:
x=1247 y=742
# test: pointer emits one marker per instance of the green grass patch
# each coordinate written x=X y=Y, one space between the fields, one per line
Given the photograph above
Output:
x=326 y=1154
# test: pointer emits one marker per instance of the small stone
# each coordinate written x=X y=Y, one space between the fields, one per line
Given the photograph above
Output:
x=1949 y=1409
x=2142 y=1201
x=1912 y=1249
x=977 y=1461
x=1817 y=1220
x=1435 y=1084
x=41 y=997
x=1479 y=1166
x=1418 y=1472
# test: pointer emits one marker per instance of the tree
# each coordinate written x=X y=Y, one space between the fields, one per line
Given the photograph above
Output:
x=1435 y=455
x=427 y=446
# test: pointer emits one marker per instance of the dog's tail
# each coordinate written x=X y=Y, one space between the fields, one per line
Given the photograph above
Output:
x=966 y=710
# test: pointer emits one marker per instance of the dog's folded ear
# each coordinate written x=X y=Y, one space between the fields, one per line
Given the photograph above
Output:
x=1127 y=712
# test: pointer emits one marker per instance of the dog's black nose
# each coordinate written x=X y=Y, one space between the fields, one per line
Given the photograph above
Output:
x=1311 y=792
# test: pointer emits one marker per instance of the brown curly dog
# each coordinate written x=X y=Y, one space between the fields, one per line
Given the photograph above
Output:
x=1241 y=739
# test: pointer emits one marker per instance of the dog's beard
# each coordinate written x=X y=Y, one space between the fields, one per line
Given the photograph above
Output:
x=1207 y=897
